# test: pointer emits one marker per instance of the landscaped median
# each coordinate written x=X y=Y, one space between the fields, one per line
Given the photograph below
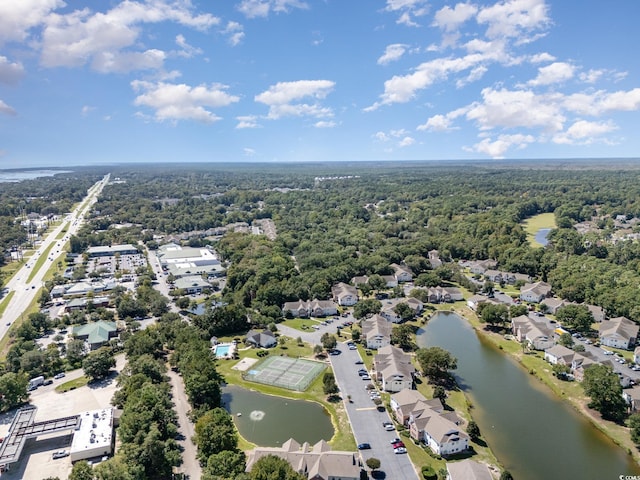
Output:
x=72 y=384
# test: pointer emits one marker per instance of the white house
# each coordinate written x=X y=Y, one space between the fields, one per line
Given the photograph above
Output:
x=311 y=308
x=442 y=435
x=393 y=369
x=344 y=294
x=388 y=308
x=559 y=354
x=618 y=332
x=468 y=469
x=535 y=292
x=376 y=332
x=402 y=273
x=536 y=334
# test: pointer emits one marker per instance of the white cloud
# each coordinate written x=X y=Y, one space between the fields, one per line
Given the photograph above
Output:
x=474 y=75
x=186 y=50
x=18 y=17
x=449 y=19
x=543 y=57
x=86 y=109
x=324 y=124
x=182 y=102
x=408 y=9
x=247 y=121
x=248 y=152
x=516 y=108
x=599 y=102
x=280 y=96
x=512 y=18
x=6 y=109
x=381 y=137
x=497 y=148
x=10 y=73
x=584 y=132
x=235 y=32
x=262 y=8
x=392 y=53
x=109 y=41
x=555 y=73
x=406 y=142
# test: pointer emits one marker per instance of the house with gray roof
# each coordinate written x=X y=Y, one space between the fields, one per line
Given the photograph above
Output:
x=344 y=294
x=315 y=462
x=389 y=306
x=261 y=338
x=559 y=354
x=468 y=469
x=537 y=335
x=535 y=292
x=619 y=332
x=310 y=308
x=402 y=273
x=192 y=284
x=96 y=334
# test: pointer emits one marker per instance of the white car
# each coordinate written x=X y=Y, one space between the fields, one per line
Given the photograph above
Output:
x=399 y=450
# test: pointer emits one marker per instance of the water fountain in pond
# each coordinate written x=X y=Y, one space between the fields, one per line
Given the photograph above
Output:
x=256 y=415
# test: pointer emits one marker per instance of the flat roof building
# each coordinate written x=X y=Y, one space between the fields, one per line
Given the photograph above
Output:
x=94 y=436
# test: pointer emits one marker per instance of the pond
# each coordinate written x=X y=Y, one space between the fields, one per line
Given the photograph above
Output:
x=541 y=236
x=269 y=421
x=533 y=434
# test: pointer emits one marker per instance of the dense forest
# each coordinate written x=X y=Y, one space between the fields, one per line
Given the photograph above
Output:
x=335 y=221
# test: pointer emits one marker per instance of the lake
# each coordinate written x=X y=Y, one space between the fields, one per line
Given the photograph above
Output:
x=534 y=435
x=269 y=421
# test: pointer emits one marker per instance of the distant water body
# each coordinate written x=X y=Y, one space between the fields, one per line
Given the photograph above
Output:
x=20 y=175
x=541 y=236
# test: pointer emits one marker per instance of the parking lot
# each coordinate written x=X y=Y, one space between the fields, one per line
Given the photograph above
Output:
x=36 y=461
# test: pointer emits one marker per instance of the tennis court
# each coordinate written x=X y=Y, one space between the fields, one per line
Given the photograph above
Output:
x=286 y=372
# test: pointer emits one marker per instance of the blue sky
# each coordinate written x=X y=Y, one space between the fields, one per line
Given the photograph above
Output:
x=94 y=82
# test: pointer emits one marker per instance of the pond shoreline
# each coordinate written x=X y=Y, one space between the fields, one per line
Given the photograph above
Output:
x=574 y=403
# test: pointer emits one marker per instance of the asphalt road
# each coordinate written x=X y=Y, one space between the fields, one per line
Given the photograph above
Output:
x=25 y=290
x=366 y=420
x=190 y=465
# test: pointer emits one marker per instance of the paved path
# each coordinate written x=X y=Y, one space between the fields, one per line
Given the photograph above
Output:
x=190 y=464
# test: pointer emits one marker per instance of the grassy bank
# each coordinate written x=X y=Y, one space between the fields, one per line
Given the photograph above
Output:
x=533 y=224
x=342 y=439
x=533 y=362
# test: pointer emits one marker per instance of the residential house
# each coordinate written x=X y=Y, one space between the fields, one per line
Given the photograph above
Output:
x=474 y=301
x=440 y=431
x=632 y=397
x=388 y=308
x=468 y=469
x=619 y=332
x=376 y=332
x=553 y=304
x=597 y=312
x=393 y=369
x=559 y=354
x=579 y=364
x=311 y=308
x=261 y=339
x=390 y=281
x=537 y=335
x=535 y=292
x=636 y=356
x=402 y=273
x=494 y=276
x=315 y=462
x=360 y=280
x=512 y=278
x=434 y=259
x=478 y=267
x=406 y=401
x=344 y=294
x=96 y=334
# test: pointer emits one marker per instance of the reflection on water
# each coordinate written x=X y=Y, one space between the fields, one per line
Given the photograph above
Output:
x=533 y=434
x=269 y=421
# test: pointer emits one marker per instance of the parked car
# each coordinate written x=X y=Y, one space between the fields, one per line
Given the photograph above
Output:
x=48 y=382
x=398 y=445
x=395 y=440
x=60 y=454
x=358 y=362
x=57 y=376
x=399 y=450
x=364 y=446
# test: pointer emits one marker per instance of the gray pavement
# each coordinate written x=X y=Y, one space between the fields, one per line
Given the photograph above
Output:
x=190 y=465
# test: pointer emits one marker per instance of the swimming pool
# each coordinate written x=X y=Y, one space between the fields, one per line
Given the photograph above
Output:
x=223 y=350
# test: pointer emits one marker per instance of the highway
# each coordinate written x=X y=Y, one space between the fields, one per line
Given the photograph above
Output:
x=24 y=290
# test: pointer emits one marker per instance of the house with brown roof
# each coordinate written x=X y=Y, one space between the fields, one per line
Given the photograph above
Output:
x=310 y=308
x=393 y=369
x=376 y=332
x=404 y=402
x=315 y=462
x=344 y=294
x=619 y=332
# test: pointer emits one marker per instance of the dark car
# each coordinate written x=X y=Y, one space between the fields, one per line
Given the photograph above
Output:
x=48 y=382
x=364 y=446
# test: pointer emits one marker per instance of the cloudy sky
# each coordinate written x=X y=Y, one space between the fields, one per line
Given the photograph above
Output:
x=91 y=82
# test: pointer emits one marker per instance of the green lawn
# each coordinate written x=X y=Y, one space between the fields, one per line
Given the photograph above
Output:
x=302 y=324
x=533 y=224
x=343 y=438
x=72 y=384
